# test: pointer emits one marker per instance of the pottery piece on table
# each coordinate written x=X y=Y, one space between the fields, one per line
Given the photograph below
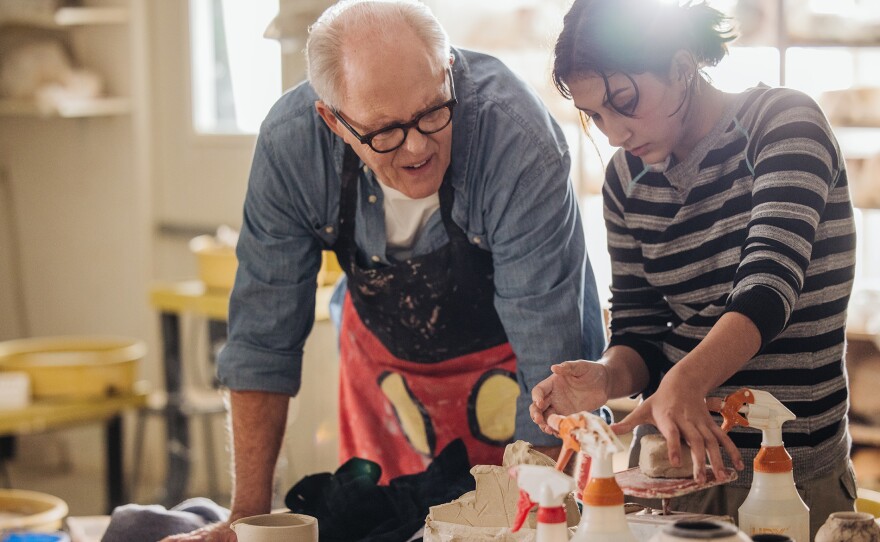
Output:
x=849 y=527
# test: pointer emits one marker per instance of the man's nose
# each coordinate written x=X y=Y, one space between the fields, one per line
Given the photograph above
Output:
x=415 y=141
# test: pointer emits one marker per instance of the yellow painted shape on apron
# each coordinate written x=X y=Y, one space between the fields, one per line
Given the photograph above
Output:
x=496 y=407
x=408 y=412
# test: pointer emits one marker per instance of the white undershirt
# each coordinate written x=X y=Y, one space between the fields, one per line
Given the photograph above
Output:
x=405 y=218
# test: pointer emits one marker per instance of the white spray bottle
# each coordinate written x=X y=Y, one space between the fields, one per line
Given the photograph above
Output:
x=603 y=518
x=773 y=504
x=551 y=487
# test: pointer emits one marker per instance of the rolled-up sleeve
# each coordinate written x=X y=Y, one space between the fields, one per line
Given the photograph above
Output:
x=271 y=309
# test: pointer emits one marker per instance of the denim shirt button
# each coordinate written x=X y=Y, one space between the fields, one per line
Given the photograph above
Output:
x=372 y=198
x=477 y=240
x=376 y=258
x=366 y=170
x=329 y=229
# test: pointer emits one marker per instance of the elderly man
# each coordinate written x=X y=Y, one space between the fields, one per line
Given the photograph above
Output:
x=442 y=184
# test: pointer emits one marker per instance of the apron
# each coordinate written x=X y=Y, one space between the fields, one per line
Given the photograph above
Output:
x=424 y=359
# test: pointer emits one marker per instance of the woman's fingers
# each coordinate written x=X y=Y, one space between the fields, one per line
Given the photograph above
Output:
x=639 y=415
x=729 y=447
x=713 y=450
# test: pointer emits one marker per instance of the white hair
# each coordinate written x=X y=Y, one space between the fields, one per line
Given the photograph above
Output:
x=324 y=46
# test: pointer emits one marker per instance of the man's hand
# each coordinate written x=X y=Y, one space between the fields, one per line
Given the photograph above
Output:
x=216 y=532
x=574 y=386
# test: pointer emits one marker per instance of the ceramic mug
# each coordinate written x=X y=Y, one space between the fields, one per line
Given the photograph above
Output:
x=276 y=528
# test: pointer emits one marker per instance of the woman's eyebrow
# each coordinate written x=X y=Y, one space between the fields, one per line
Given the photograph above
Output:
x=605 y=103
x=614 y=93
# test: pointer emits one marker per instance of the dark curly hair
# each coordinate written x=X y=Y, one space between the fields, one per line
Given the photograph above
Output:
x=604 y=37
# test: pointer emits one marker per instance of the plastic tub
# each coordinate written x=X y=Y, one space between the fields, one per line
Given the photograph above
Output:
x=22 y=510
x=75 y=366
x=216 y=262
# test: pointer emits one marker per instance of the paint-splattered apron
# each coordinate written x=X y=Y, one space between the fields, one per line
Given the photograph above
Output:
x=423 y=355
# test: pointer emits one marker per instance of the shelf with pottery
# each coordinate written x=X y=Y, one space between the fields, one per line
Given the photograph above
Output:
x=67 y=17
x=863 y=355
x=70 y=109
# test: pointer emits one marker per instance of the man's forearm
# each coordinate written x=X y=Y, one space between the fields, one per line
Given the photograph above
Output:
x=258 y=422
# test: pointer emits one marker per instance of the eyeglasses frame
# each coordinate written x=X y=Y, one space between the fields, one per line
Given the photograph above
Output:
x=367 y=139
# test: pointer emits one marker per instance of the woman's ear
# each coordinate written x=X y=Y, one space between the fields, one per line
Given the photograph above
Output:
x=683 y=68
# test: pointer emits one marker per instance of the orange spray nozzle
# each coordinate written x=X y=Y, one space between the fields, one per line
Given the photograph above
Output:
x=566 y=426
x=731 y=407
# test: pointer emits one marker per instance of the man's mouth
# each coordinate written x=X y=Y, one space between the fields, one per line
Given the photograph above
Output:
x=418 y=165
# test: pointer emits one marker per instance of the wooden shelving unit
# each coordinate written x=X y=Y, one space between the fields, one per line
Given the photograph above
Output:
x=66 y=19
x=97 y=107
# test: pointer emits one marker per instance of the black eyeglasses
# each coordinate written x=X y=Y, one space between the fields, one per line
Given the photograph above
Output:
x=391 y=137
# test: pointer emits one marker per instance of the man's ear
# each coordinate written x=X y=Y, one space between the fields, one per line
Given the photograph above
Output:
x=330 y=119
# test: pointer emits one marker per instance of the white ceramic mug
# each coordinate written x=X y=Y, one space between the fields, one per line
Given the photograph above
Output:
x=276 y=528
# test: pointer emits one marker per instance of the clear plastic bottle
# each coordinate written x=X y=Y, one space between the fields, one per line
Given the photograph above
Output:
x=775 y=507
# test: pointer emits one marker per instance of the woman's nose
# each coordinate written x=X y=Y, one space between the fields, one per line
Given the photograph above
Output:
x=617 y=134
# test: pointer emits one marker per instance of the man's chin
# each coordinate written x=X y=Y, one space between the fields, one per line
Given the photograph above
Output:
x=421 y=189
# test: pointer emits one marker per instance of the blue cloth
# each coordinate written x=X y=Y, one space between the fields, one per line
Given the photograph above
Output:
x=513 y=197
x=153 y=522
x=36 y=537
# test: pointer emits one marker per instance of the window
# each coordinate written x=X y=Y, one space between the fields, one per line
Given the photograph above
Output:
x=236 y=72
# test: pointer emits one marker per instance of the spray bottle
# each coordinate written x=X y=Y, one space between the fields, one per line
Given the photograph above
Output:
x=603 y=518
x=773 y=504
x=550 y=487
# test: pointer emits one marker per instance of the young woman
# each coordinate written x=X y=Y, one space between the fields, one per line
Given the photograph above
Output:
x=732 y=242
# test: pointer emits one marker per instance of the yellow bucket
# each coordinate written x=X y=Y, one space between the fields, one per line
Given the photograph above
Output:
x=330 y=270
x=75 y=366
x=30 y=511
x=868 y=501
x=217 y=264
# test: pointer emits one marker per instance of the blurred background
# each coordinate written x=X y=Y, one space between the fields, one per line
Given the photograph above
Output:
x=127 y=129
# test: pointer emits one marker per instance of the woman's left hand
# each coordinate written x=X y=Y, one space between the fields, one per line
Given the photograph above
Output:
x=680 y=413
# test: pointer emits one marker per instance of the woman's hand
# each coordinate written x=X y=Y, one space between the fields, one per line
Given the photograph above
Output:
x=216 y=532
x=574 y=386
x=680 y=412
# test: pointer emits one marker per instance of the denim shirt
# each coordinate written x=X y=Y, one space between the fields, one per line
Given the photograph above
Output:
x=513 y=198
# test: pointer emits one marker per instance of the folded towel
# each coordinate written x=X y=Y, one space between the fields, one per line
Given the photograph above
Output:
x=153 y=522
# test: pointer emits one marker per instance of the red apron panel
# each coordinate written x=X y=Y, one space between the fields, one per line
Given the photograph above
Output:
x=400 y=414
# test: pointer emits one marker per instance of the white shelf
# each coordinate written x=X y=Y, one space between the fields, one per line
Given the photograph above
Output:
x=96 y=107
x=67 y=17
x=858 y=141
x=865 y=434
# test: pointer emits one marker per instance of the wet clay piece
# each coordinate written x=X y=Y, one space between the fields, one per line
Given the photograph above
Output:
x=654 y=459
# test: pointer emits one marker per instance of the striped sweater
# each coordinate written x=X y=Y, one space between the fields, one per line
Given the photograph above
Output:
x=757 y=220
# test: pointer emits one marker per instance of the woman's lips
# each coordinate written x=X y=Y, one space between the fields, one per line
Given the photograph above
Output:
x=639 y=151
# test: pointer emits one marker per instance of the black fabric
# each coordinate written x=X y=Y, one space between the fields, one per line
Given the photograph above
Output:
x=429 y=308
x=351 y=507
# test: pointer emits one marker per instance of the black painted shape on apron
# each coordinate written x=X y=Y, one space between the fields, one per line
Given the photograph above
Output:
x=428 y=308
